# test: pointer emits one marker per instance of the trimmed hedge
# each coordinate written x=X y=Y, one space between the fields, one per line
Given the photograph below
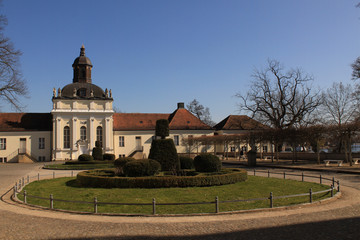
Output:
x=162 y=128
x=164 y=151
x=186 y=162
x=207 y=163
x=85 y=158
x=108 y=156
x=96 y=178
x=87 y=162
x=97 y=153
x=140 y=168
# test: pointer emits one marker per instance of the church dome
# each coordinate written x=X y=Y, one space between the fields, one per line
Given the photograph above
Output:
x=82 y=59
x=83 y=91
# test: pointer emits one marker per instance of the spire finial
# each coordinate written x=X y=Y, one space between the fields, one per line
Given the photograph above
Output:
x=82 y=50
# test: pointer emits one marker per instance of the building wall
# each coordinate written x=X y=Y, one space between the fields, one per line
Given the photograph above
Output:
x=32 y=145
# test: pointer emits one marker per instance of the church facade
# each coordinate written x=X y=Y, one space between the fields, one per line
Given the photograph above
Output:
x=82 y=113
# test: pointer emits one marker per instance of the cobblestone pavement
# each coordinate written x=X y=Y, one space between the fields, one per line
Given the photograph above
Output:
x=338 y=219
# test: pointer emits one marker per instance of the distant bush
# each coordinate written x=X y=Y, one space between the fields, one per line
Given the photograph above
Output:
x=85 y=158
x=108 y=157
x=207 y=163
x=120 y=163
x=143 y=167
x=186 y=162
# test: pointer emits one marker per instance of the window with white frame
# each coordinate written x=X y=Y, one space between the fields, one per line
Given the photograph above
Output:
x=83 y=133
x=66 y=137
x=41 y=143
x=2 y=143
x=121 y=141
x=99 y=135
x=176 y=140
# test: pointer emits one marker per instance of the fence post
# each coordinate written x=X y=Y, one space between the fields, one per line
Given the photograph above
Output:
x=72 y=173
x=23 y=181
x=333 y=181
x=95 y=205
x=310 y=194
x=25 y=201
x=217 y=204
x=38 y=176
x=332 y=190
x=14 y=191
x=28 y=178
x=268 y=173
x=51 y=201
x=284 y=175
x=338 y=183
x=302 y=176
x=271 y=200
x=320 y=179
x=154 y=206
x=53 y=174
x=254 y=172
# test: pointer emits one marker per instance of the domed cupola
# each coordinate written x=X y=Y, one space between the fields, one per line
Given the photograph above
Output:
x=82 y=68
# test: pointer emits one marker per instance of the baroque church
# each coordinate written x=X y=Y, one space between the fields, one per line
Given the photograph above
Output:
x=82 y=113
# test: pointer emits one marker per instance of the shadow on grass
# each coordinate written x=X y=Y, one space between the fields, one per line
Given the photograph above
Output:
x=73 y=183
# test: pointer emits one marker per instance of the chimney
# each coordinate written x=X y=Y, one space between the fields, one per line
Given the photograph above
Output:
x=180 y=105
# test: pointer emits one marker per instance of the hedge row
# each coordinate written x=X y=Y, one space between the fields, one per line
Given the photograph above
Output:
x=94 y=179
x=89 y=162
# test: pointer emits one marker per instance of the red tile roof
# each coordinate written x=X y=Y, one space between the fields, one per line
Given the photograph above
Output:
x=239 y=122
x=10 y=122
x=181 y=119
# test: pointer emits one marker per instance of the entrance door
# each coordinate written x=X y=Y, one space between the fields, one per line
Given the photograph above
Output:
x=138 y=143
x=22 y=148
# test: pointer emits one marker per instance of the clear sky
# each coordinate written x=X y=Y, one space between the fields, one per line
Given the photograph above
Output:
x=154 y=54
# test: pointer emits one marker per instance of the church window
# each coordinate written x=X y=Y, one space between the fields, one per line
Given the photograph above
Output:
x=99 y=135
x=83 y=133
x=121 y=141
x=66 y=137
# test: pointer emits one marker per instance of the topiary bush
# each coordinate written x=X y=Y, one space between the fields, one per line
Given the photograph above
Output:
x=164 y=151
x=186 y=162
x=120 y=163
x=162 y=128
x=207 y=163
x=97 y=152
x=140 y=168
x=108 y=156
x=85 y=158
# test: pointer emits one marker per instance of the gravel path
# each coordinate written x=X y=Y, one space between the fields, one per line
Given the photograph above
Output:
x=338 y=219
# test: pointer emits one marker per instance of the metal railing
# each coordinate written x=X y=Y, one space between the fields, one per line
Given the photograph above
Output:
x=271 y=198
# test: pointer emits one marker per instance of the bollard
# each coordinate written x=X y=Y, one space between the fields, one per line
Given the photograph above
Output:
x=254 y=172
x=25 y=201
x=332 y=190
x=271 y=200
x=302 y=176
x=154 y=206
x=38 y=176
x=268 y=173
x=320 y=179
x=338 y=183
x=217 y=204
x=54 y=174
x=284 y=175
x=51 y=201
x=95 y=205
x=310 y=195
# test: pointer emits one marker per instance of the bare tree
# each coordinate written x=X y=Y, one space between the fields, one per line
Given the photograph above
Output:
x=12 y=85
x=356 y=69
x=203 y=113
x=280 y=99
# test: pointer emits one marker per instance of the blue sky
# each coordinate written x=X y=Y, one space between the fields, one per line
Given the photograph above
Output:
x=153 y=53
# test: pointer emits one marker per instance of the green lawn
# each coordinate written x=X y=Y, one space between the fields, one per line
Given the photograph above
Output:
x=254 y=187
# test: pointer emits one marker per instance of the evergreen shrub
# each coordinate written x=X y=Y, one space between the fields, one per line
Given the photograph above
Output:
x=164 y=151
x=120 y=163
x=109 y=157
x=186 y=162
x=143 y=167
x=162 y=128
x=97 y=152
x=85 y=158
x=206 y=162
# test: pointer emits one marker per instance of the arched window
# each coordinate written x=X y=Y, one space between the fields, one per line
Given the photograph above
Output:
x=83 y=133
x=66 y=137
x=99 y=135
